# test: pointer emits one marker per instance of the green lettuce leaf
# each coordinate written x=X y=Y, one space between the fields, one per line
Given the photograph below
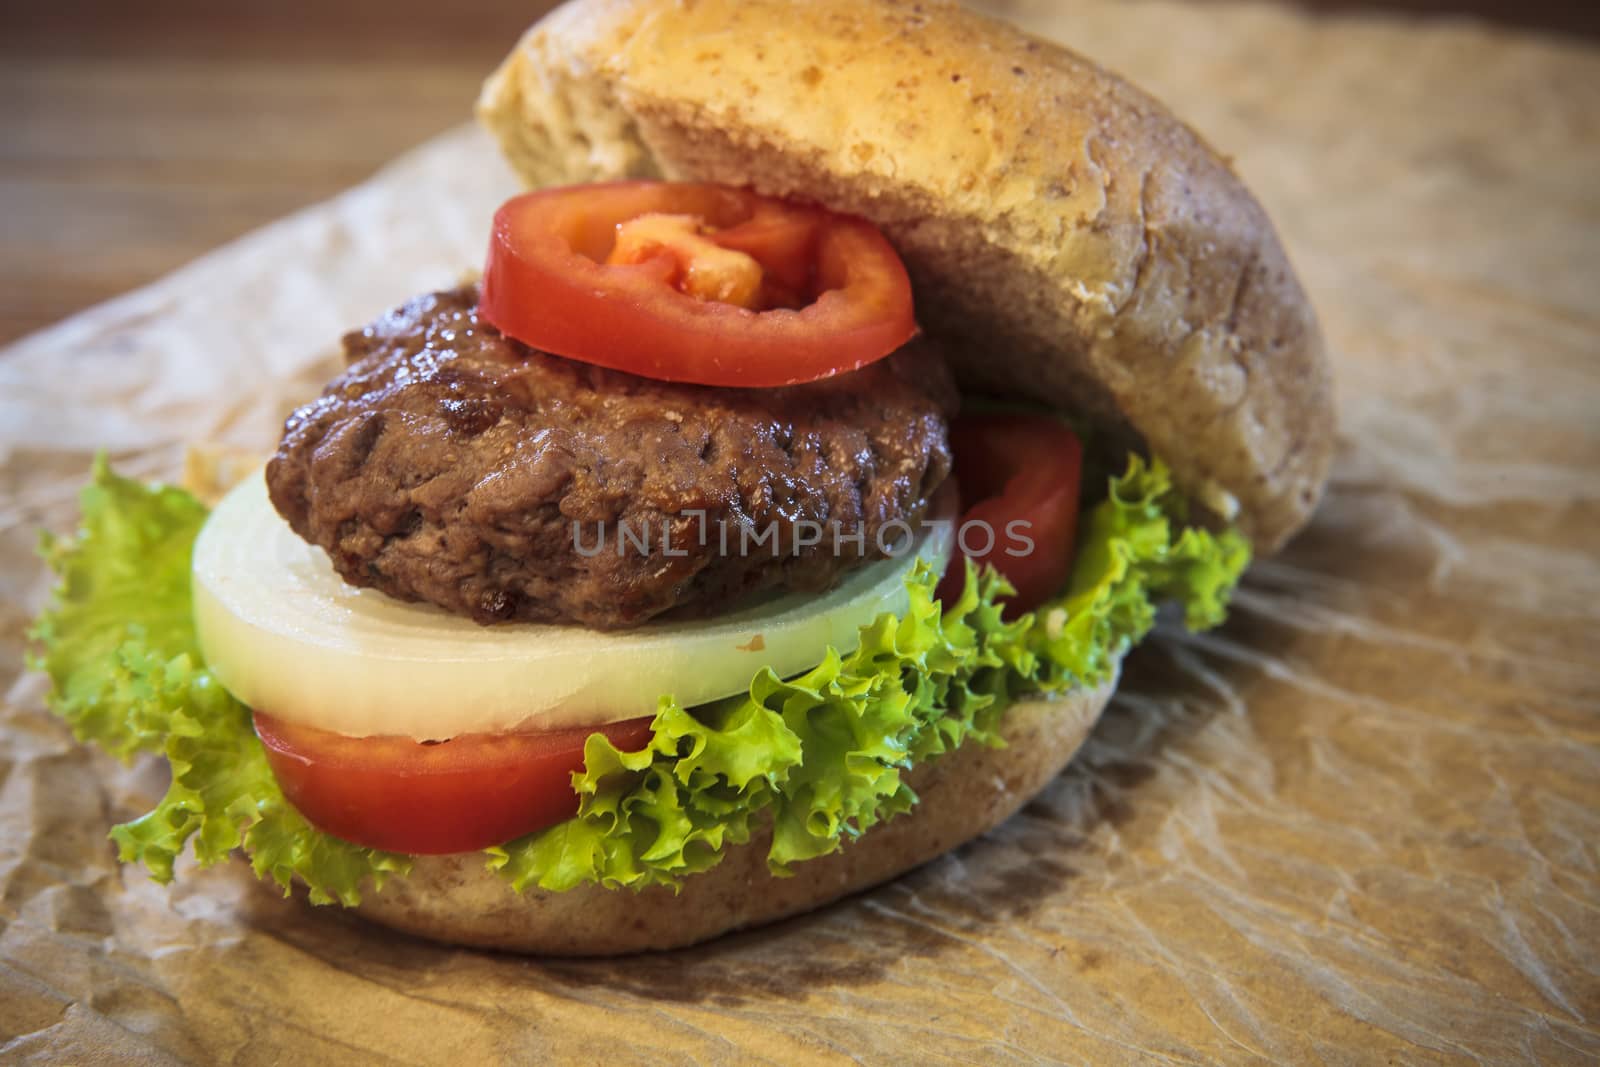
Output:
x=118 y=642
x=823 y=755
x=820 y=757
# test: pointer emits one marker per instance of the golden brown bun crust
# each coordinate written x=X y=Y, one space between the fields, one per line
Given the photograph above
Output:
x=1078 y=244
x=455 y=899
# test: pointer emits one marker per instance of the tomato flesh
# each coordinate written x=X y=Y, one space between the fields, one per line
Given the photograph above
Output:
x=833 y=294
x=1016 y=469
x=467 y=793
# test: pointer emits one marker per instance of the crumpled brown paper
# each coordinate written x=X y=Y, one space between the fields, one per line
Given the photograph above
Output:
x=1360 y=823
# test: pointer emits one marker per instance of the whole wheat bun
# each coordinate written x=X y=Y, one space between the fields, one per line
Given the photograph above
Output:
x=1070 y=240
x=456 y=899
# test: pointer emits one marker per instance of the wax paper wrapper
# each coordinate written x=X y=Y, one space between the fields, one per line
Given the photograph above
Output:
x=1357 y=824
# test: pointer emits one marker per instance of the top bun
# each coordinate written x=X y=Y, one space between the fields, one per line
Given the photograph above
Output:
x=1070 y=240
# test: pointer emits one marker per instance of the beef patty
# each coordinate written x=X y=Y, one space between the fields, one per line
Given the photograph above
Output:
x=454 y=465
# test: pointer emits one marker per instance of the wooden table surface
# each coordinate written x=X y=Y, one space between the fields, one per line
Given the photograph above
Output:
x=134 y=137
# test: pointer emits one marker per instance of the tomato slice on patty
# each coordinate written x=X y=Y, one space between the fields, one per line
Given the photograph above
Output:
x=1019 y=478
x=695 y=282
x=467 y=793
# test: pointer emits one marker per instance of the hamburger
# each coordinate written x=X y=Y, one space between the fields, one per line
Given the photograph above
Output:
x=487 y=652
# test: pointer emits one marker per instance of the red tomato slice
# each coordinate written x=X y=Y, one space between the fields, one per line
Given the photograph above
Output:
x=459 y=795
x=833 y=294
x=1019 y=483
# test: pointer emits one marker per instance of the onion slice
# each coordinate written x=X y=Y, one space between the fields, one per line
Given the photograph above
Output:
x=287 y=636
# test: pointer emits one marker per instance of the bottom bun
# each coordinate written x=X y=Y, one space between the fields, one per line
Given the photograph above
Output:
x=456 y=899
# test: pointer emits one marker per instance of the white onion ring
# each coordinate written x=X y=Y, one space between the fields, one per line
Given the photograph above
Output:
x=287 y=636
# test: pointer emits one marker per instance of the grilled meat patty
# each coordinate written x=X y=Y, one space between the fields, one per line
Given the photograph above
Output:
x=454 y=465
